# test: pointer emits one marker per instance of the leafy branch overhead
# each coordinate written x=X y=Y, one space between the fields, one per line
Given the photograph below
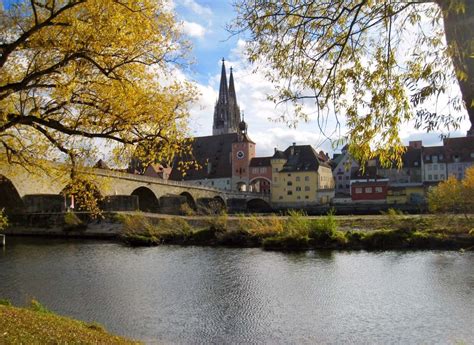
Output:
x=78 y=74
x=376 y=63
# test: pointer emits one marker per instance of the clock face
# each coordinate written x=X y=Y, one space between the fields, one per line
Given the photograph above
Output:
x=240 y=154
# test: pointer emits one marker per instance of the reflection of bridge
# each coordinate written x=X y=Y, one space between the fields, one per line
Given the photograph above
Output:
x=152 y=194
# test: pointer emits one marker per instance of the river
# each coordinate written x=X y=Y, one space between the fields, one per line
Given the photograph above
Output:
x=205 y=295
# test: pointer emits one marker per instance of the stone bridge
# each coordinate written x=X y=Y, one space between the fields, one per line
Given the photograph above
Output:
x=121 y=191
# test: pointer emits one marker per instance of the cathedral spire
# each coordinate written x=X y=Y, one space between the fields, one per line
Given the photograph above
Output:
x=223 y=91
x=232 y=96
x=226 y=112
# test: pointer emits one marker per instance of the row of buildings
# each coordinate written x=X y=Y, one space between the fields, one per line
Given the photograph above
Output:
x=300 y=176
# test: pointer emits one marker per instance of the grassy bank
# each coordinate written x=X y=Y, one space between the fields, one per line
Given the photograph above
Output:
x=37 y=325
x=299 y=232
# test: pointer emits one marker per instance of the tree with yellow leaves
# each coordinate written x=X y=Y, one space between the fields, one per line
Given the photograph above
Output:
x=452 y=195
x=79 y=75
x=373 y=65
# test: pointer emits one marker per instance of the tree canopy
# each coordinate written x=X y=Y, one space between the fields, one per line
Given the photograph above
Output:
x=78 y=76
x=377 y=63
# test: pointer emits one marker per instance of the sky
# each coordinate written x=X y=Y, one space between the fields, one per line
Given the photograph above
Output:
x=204 y=22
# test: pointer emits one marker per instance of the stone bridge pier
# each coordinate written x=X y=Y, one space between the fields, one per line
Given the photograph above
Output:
x=42 y=192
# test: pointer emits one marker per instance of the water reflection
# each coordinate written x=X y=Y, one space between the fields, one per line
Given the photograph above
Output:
x=216 y=295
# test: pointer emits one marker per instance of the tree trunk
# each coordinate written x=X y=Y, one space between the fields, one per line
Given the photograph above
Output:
x=459 y=29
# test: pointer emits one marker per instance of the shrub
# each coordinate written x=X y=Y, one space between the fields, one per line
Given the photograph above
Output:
x=324 y=229
x=262 y=227
x=5 y=302
x=297 y=223
x=72 y=222
x=38 y=307
x=218 y=223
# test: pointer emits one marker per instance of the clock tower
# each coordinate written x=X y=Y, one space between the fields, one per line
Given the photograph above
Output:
x=243 y=150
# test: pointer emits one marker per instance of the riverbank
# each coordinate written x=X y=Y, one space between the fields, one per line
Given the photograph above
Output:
x=37 y=325
x=294 y=232
x=299 y=232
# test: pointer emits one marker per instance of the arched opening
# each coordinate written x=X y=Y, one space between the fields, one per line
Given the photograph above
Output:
x=258 y=205
x=10 y=199
x=190 y=200
x=147 y=200
x=260 y=185
x=241 y=186
x=219 y=205
x=82 y=196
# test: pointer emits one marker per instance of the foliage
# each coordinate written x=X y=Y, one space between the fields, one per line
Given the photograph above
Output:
x=73 y=222
x=375 y=62
x=5 y=302
x=3 y=220
x=452 y=195
x=38 y=307
x=261 y=227
x=24 y=326
x=76 y=75
x=86 y=195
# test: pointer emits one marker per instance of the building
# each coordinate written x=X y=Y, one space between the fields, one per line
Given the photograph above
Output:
x=261 y=175
x=459 y=154
x=301 y=177
x=367 y=186
x=344 y=165
x=434 y=164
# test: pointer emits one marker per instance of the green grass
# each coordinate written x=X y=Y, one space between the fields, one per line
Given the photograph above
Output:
x=40 y=326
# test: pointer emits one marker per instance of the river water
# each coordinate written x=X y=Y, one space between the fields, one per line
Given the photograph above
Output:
x=204 y=295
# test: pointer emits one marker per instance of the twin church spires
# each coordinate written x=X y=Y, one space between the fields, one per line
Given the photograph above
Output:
x=226 y=111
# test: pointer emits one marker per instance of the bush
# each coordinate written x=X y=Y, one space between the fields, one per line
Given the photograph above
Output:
x=297 y=223
x=38 y=307
x=324 y=229
x=262 y=227
x=5 y=302
x=73 y=223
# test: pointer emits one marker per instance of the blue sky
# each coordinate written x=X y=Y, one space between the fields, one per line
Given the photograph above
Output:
x=204 y=23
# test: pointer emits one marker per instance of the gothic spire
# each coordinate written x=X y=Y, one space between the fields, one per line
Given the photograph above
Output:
x=232 y=96
x=223 y=91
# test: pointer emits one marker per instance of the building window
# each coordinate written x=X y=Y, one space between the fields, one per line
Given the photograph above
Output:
x=368 y=189
x=297 y=178
x=298 y=197
x=306 y=178
x=430 y=167
x=228 y=182
x=339 y=177
x=435 y=166
x=275 y=169
x=415 y=164
x=289 y=183
x=358 y=190
x=275 y=179
x=430 y=177
x=347 y=186
x=289 y=192
x=378 y=189
x=306 y=188
x=280 y=197
x=298 y=189
x=441 y=176
x=347 y=177
x=289 y=174
x=472 y=154
x=212 y=183
x=306 y=197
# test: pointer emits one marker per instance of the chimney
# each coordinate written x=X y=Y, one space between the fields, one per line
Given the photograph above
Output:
x=292 y=149
x=275 y=150
x=415 y=144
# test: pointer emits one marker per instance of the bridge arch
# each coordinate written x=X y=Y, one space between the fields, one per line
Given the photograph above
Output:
x=190 y=200
x=260 y=184
x=258 y=205
x=10 y=200
x=220 y=205
x=147 y=200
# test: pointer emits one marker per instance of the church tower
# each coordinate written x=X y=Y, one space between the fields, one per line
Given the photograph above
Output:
x=226 y=111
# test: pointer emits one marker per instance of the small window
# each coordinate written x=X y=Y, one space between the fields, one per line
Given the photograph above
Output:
x=289 y=192
x=378 y=189
x=339 y=177
x=298 y=197
x=430 y=167
x=306 y=188
x=228 y=181
x=289 y=174
x=435 y=176
x=472 y=154
x=275 y=169
x=280 y=197
x=298 y=189
x=297 y=178
x=306 y=178
x=289 y=183
x=275 y=179
x=306 y=197
x=430 y=177
x=435 y=166
x=368 y=189
x=347 y=177
x=441 y=176
x=358 y=190
x=347 y=186
x=212 y=183
x=415 y=164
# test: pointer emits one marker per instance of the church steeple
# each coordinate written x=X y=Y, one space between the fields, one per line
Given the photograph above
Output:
x=226 y=111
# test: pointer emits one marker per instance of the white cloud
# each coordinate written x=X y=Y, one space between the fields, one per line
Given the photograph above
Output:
x=196 y=8
x=193 y=29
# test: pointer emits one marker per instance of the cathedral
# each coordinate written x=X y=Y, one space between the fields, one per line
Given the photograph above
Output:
x=225 y=157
